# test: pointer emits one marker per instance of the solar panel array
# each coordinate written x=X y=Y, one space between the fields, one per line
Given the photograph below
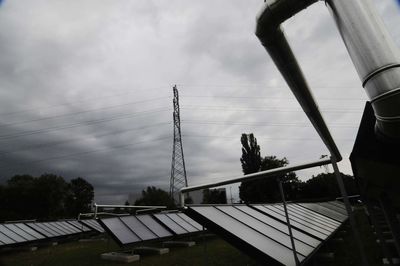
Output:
x=261 y=230
x=128 y=230
x=22 y=233
x=93 y=224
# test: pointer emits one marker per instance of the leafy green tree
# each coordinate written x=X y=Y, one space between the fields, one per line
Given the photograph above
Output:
x=44 y=197
x=153 y=196
x=188 y=200
x=251 y=158
x=50 y=194
x=214 y=196
x=264 y=190
x=80 y=194
x=19 y=192
x=324 y=186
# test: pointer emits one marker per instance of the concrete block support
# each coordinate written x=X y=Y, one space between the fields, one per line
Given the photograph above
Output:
x=172 y=244
x=150 y=251
x=120 y=257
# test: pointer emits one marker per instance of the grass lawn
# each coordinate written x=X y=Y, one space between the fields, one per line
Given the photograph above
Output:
x=213 y=251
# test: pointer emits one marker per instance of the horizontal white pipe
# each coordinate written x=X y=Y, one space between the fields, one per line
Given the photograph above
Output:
x=129 y=206
x=259 y=175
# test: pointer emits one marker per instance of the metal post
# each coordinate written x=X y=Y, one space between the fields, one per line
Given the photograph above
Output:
x=182 y=199
x=349 y=211
x=95 y=211
x=288 y=221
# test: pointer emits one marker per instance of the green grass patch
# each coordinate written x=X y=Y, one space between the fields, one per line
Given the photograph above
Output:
x=210 y=252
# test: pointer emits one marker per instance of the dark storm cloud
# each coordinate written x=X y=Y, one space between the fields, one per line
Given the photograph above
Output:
x=115 y=63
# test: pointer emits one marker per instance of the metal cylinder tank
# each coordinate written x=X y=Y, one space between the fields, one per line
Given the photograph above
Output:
x=375 y=57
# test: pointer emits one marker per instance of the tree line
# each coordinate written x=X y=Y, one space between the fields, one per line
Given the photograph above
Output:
x=322 y=186
x=51 y=197
x=45 y=197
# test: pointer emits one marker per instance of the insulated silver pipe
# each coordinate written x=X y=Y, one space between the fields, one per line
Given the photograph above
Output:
x=375 y=57
x=273 y=39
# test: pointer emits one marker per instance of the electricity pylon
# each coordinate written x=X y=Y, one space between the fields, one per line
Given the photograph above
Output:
x=178 y=170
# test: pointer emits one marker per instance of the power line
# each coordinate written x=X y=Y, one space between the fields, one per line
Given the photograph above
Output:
x=78 y=154
x=228 y=108
x=260 y=138
x=79 y=124
x=265 y=86
x=55 y=143
x=260 y=124
x=80 y=112
x=268 y=98
x=75 y=102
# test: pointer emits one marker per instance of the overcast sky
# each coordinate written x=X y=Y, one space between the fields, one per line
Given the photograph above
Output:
x=86 y=89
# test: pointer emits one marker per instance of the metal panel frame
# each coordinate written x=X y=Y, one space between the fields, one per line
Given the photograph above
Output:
x=13 y=228
x=37 y=228
x=265 y=225
x=29 y=230
x=183 y=223
x=243 y=245
x=173 y=222
x=79 y=225
x=138 y=229
x=275 y=221
x=191 y=221
x=116 y=239
x=237 y=242
x=324 y=214
x=140 y=217
x=93 y=224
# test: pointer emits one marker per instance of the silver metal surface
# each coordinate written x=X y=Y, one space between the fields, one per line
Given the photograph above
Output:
x=375 y=57
x=96 y=206
x=130 y=206
x=288 y=222
x=274 y=40
x=153 y=225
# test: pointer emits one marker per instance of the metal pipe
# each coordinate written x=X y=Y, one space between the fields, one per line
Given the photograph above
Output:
x=94 y=214
x=96 y=206
x=258 y=175
x=375 y=57
x=296 y=259
x=131 y=206
x=273 y=39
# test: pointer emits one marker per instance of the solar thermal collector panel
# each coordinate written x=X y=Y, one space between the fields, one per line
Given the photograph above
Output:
x=261 y=231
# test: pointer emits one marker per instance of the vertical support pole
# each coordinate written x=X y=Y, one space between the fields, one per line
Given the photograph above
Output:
x=95 y=211
x=349 y=212
x=288 y=221
x=391 y=220
x=182 y=199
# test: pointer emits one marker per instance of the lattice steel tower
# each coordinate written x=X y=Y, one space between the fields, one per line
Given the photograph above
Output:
x=178 y=170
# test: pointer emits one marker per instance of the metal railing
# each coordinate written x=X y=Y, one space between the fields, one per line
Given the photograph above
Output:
x=96 y=206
